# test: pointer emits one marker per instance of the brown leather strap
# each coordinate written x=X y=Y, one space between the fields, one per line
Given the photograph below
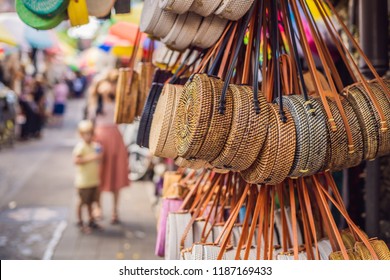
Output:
x=263 y=193
x=248 y=53
x=272 y=222
x=293 y=219
x=193 y=191
x=228 y=53
x=284 y=235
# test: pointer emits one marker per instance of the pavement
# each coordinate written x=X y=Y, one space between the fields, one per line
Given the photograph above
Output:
x=38 y=204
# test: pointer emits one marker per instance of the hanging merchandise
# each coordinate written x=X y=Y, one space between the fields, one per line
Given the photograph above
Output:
x=100 y=8
x=45 y=8
x=42 y=17
x=181 y=31
x=78 y=12
x=263 y=115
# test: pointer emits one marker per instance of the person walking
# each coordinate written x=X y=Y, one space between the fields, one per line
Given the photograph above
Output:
x=61 y=92
x=114 y=167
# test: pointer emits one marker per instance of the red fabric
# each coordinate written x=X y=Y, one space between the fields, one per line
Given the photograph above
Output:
x=114 y=167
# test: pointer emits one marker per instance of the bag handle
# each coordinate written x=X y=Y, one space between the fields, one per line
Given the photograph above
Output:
x=241 y=33
x=327 y=216
x=325 y=63
x=345 y=214
x=293 y=10
x=308 y=209
x=227 y=230
x=193 y=190
x=293 y=219
x=285 y=237
x=356 y=45
x=294 y=47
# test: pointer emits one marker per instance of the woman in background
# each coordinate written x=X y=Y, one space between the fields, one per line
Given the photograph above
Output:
x=114 y=167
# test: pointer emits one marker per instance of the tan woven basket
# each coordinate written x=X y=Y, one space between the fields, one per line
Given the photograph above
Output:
x=368 y=120
x=220 y=124
x=193 y=116
x=146 y=79
x=171 y=37
x=285 y=151
x=302 y=149
x=192 y=164
x=162 y=119
x=261 y=169
x=233 y=9
x=177 y=6
x=204 y=7
x=126 y=97
x=150 y=16
x=187 y=32
x=209 y=31
x=121 y=88
x=164 y=24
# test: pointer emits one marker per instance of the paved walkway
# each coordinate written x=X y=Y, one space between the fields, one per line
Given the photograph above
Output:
x=38 y=202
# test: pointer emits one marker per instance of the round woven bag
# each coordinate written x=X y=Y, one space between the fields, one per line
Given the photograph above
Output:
x=46 y=8
x=187 y=32
x=302 y=148
x=261 y=169
x=171 y=37
x=285 y=151
x=100 y=8
x=204 y=7
x=233 y=9
x=209 y=32
x=177 y=6
x=383 y=100
x=368 y=120
x=150 y=16
x=193 y=115
x=164 y=24
x=192 y=164
x=37 y=21
x=162 y=121
x=340 y=156
x=247 y=133
x=319 y=149
x=220 y=124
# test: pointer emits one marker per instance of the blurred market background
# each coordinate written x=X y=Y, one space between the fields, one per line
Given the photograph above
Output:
x=37 y=197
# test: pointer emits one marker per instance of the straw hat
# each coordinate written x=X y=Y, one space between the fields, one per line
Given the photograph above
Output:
x=35 y=20
x=45 y=8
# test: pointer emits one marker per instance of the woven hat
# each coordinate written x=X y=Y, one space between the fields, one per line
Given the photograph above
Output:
x=35 y=20
x=205 y=7
x=177 y=6
x=150 y=15
x=99 y=8
x=233 y=9
x=187 y=32
x=46 y=8
x=209 y=31
x=164 y=24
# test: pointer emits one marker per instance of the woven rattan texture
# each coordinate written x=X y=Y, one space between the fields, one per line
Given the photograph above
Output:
x=367 y=120
x=220 y=124
x=193 y=116
x=299 y=116
x=238 y=133
x=233 y=9
x=204 y=7
x=286 y=148
x=164 y=24
x=264 y=163
x=319 y=150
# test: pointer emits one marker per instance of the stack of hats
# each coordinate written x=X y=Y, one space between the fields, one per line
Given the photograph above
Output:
x=47 y=14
